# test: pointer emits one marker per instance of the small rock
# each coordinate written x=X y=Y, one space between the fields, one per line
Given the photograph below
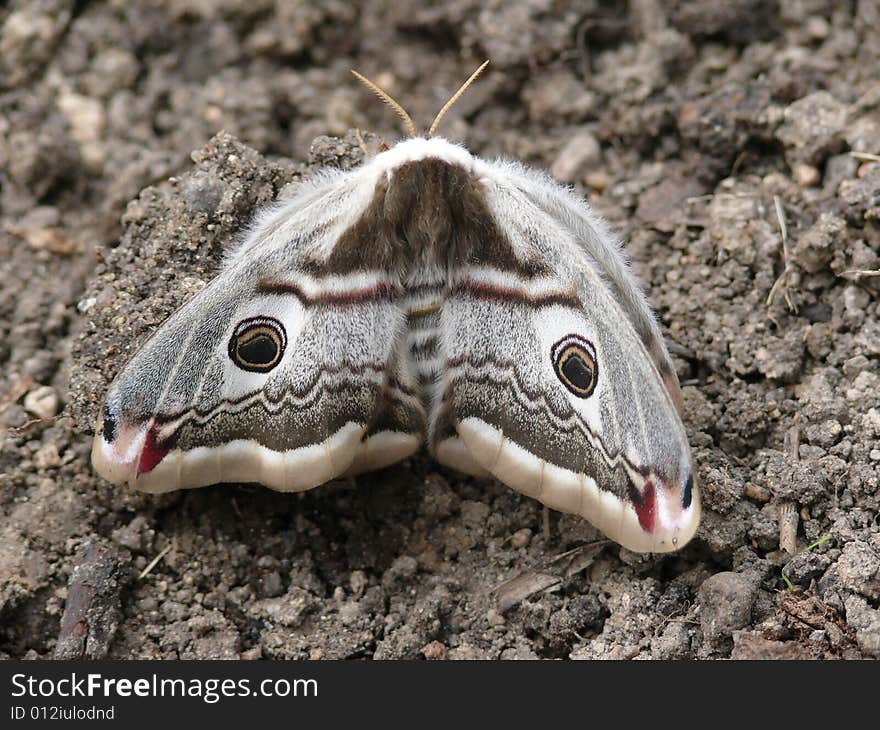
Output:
x=288 y=610
x=861 y=197
x=739 y=21
x=438 y=500
x=580 y=153
x=673 y=643
x=558 y=95
x=839 y=168
x=757 y=492
x=137 y=535
x=856 y=365
x=781 y=358
x=112 y=69
x=400 y=572
x=40 y=367
x=474 y=514
x=349 y=612
x=817 y=245
x=817 y=27
x=28 y=37
x=806 y=566
x=824 y=434
x=807 y=176
x=726 y=601
x=521 y=538
x=464 y=652
x=202 y=192
x=859 y=569
x=358 y=582
x=494 y=618
x=271 y=585
x=84 y=305
x=662 y=206
x=598 y=180
x=87 y=120
x=47 y=457
x=866 y=621
x=42 y=402
x=434 y=650
x=813 y=128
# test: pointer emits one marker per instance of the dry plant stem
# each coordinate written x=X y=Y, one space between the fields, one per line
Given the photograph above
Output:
x=154 y=562
x=856 y=274
x=563 y=566
x=788 y=513
x=29 y=424
x=788 y=267
x=92 y=611
x=788 y=526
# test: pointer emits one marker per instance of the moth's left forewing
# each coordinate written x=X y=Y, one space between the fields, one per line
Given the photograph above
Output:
x=282 y=371
x=554 y=384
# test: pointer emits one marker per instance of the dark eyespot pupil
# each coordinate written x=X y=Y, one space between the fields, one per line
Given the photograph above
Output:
x=258 y=350
x=576 y=365
x=257 y=344
x=578 y=372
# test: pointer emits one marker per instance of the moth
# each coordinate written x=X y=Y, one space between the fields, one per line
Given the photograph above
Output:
x=427 y=296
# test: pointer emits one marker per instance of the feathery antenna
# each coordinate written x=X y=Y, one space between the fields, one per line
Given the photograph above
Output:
x=386 y=97
x=401 y=112
x=455 y=98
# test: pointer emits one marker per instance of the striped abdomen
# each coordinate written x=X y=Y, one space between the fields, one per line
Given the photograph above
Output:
x=423 y=304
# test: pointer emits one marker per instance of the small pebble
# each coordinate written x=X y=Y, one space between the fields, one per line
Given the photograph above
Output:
x=726 y=601
x=757 y=492
x=84 y=305
x=47 y=457
x=358 y=583
x=494 y=618
x=581 y=152
x=597 y=180
x=864 y=169
x=42 y=402
x=817 y=27
x=434 y=650
x=806 y=176
x=349 y=613
x=521 y=538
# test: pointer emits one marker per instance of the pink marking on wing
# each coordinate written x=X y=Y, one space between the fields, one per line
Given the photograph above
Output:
x=151 y=454
x=645 y=508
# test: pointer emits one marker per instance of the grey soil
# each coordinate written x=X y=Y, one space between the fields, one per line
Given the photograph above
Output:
x=732 y=145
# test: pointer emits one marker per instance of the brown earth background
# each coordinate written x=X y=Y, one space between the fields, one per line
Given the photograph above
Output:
x=734 y=147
